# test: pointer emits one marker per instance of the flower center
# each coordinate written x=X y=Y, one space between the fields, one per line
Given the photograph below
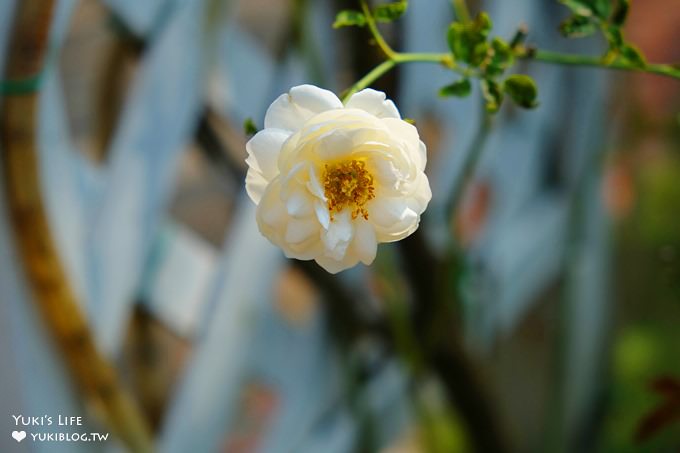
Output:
x=348 y=184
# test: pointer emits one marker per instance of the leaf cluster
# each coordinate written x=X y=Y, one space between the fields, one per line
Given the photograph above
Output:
x=488 y=60
x=385 y=12
x=607 y=16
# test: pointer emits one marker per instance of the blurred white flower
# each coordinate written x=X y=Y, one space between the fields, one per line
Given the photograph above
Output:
x=331 y=181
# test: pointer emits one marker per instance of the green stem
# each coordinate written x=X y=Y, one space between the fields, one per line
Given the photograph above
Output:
x=546 y=56
x=444 y=59
x=394 y=58
x=542 y=56
x=471 y=159
x=461 y=10
x=397 y=311
x=423 y=57
x=373 y=27
x=369 y=78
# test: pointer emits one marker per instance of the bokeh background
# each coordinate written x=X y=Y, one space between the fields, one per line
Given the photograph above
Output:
x=567 y=290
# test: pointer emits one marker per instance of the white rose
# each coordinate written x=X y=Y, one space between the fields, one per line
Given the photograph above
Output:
x=331 y=181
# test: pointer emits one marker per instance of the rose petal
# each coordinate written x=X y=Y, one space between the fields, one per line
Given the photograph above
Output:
x=407 y=134
x=300 y=230
x=422 y=151
x=300 y=203
x=292 y=180
x=284 y=231
x=386 y=174
x=314 y=184
x=271 y=212
x=422 y=194
x=290 y=111
x=334 y=145
x=334 y=266
x=322 y=214
x=365 y=243
x=263 y=151
x=392 y=218
x=305 y=250
x=373 y=102
x=337 y=237
x=308 y=143
x=256 y=184
x=331 y=121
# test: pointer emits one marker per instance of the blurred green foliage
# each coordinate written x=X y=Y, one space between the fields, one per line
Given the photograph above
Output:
x=647 y=284
x=643 y=352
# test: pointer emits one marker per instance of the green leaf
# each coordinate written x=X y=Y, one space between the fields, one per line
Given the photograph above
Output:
x=349 y=18
x=480 y=53
x=502 y=51
x=461 y=89
x=482 y=24
x=620 y=13
x=578 y=27
x=579 y=7
x=249 y=127
x=390 y=11
x=632 y=55
x=502 y=57
x=467 y=41
x=601 y=8
x=520 y=36
x=614 y=37
x=456 y=40
x=522 y=89
x=493 y=96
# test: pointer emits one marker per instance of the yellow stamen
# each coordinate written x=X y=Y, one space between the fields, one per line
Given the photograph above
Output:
x=348 y=184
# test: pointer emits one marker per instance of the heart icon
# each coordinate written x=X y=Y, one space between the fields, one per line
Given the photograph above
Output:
x=19 y=435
